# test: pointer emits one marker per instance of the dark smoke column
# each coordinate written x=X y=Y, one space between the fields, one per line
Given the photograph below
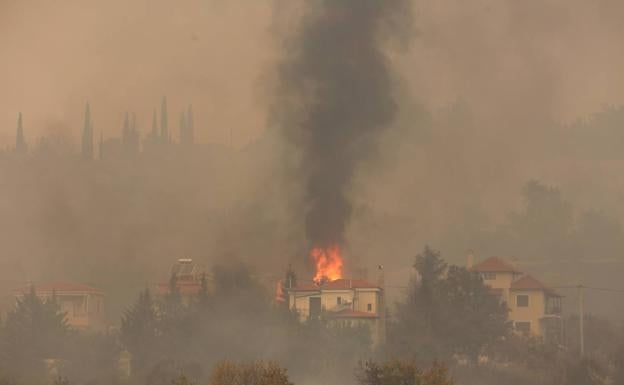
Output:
x=336 y=91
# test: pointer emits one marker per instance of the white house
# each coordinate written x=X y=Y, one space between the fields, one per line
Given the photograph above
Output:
x=345 y=301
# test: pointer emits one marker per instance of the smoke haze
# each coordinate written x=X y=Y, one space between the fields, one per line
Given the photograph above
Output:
x=487 y=95
x=338 y=81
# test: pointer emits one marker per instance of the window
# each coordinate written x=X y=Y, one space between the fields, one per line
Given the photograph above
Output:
x=339 y=300
x=489 y=276
x=522 y=300
x=369 y=307
x=523 y=327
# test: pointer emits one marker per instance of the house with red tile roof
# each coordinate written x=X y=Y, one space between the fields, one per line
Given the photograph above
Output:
x=534 y=308
x=187 y=279
x=342 y=301
x=83 y=305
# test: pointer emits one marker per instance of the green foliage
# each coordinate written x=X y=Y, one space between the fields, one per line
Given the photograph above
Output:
x=140 y=332
x=33 y=331
x=448 y=311
x=583 y=372
x=396 y=372
x=92 y=357
x=252 y=373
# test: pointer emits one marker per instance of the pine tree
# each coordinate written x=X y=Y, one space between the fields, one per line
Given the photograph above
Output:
x=140 y=332
x=87 y=135
x=34 y=330
x=20 y=143
x=449 y=310
x=183 y=129
x=126 y=130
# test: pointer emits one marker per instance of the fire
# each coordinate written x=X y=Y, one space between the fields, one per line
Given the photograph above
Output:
x=328 y=263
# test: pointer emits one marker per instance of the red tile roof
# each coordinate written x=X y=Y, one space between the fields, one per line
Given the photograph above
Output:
x=528 y=282
x=184 y=287
x=348 y=313
x=59 y=287
x=495 y=265
x=339 y=284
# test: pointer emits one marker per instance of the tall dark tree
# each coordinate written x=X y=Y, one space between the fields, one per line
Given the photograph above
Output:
x=430 y=268
x=35 y=330
x=449 y=310
x=20 y=142
x=474 y=318
x=140 y=332
x=87 y=135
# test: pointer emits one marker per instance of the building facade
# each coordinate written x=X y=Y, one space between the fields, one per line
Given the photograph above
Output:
x=187 y=278
x=352 y=302
x=534 y=308
x=82 y=305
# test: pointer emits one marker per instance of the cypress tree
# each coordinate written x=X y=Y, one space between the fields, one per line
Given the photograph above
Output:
x=155 y=126
x=140 y=332
x=126 y=130
x=87 y=135
x=34 y=330
x=20 y=143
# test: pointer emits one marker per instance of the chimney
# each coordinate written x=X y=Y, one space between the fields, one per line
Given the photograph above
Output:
x=469 y=259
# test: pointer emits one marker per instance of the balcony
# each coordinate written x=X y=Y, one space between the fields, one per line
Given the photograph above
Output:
x=552 y=307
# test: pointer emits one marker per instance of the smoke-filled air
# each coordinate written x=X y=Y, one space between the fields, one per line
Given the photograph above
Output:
x=335 y=99
x=303 y=192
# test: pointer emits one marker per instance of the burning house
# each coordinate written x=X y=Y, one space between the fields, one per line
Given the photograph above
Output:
x=351 y=302
x=338 y=300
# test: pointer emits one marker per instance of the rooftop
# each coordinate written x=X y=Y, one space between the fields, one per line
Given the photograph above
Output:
x=339 y=284
x=495 y=265
x=184 y=287
x=528 y=282
x=59 y=288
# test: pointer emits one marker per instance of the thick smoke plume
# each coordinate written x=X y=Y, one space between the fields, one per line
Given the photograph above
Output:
x=338 y=83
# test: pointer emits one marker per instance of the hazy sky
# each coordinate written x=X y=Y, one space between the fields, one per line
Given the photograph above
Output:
x=507 y=59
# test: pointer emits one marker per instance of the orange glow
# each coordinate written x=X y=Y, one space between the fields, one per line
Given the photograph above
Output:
x=328 y=263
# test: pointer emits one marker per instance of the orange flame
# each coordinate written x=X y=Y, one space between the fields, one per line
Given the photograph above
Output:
x=328 y=263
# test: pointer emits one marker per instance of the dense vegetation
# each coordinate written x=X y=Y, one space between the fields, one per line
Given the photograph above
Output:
x=448 y=320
